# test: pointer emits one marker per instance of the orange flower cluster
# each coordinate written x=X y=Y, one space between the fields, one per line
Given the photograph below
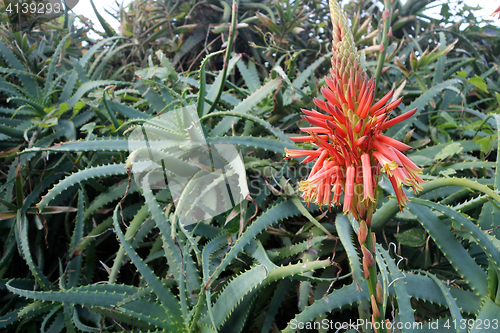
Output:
x=351 y=149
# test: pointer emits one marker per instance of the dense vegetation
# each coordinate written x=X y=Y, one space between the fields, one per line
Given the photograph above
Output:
x=91 y=244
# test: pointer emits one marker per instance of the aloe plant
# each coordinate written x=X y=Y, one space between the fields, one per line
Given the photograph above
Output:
x=91 y=244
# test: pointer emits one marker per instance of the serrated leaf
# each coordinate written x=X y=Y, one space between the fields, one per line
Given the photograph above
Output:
x=452 y=249
x=489 y=312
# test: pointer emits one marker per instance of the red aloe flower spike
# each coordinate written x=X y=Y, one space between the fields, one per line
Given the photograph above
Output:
x=339 y=158
x=368 y=126
x=320 y=199
x=348 y=135
x=388 y=151
x=322 y=143
x=352 y=86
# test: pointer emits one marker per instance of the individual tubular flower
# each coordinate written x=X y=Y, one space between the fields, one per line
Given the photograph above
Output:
x=347 y=131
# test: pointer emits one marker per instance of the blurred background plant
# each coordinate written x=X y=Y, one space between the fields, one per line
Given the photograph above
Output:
x=68 y=103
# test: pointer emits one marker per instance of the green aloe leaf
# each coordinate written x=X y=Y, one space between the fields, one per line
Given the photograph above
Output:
x=105 y=25
x=80 y=176
x=452 y=249
x=245 y=106
x=488 y=314
x=168 y=300
x=345 y=232
x=24 y=245
x=481 y=238
x=75 y=263
x=451 y=302
x=402 y=293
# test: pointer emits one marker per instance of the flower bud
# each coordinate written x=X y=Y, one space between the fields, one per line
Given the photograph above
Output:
x=389 y=34
x=373 y=325
x=369 y=213
x=358 y=126
x=379 y=292
x=366 y=270
x=375 y=309
x=388 y=325
x=385 y=14
x=367 y=255
x=362 y=232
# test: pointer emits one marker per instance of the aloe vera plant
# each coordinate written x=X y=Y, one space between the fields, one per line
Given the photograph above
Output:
x=140 y=307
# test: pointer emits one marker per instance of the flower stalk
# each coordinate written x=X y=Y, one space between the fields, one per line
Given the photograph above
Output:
x=370 y=271
x=229 y=48
x=386 y=34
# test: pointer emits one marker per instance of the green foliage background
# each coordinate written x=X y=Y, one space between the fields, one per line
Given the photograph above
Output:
x=84 y=248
